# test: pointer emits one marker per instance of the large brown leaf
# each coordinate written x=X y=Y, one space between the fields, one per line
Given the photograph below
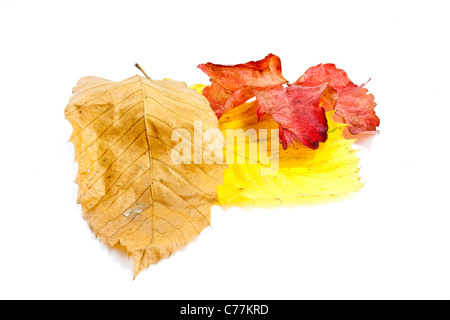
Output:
x=132 y=194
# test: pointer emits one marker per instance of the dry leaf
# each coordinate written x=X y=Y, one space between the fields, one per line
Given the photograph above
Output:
x=233 y=85
x=298 y=112
x=132 y=194
x=354 y=103
x=303 y=174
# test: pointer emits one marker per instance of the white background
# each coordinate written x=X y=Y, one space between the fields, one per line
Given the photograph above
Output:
x=391 y=240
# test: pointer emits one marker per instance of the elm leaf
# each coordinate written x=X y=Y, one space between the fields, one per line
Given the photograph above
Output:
x=131 y=193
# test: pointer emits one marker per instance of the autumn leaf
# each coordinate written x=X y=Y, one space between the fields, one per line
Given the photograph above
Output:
x=303 y=174
x=235 y=84
x=354 y=104
x=298 y=112
x=131 y=193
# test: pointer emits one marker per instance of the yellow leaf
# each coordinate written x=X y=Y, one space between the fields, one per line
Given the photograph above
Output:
x=132 y=194
x=304 y=175
x=198 y=87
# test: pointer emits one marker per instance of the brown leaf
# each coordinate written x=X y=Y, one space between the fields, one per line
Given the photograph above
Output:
x=132 y=194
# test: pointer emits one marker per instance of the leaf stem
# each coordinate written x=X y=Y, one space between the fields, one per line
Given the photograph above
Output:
x=142 y=70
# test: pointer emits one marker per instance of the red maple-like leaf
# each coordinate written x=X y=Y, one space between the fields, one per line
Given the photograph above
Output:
x=354 y=104
x=298 y=112
x=233 y=85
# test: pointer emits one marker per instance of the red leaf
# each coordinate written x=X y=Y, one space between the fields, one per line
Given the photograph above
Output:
x=217 y=97
x=233 y=85
x=353 y=103
x=356 y=106
x=296 y=109
x=222 y=100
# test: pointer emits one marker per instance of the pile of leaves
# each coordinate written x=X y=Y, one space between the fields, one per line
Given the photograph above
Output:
x=298 y=108
x=135 y=197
